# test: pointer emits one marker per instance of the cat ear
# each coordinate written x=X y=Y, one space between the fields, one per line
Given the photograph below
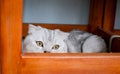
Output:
x=31 y=29
x=39 y=27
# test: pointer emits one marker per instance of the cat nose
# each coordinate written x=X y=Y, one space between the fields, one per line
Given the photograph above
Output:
x=46 y=52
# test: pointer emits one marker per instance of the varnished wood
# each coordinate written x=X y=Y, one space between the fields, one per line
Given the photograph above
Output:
x=96 y=14
x=115 y=45
x=63 y=27
x=109 y=15
x=11 y=33
x=70 y=63
x=0 y=42
x=116 y=32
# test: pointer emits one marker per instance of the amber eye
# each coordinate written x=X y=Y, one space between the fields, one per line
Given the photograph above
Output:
x=39 y=43
x=55 y=47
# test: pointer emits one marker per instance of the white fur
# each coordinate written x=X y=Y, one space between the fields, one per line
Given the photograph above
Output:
x=73 y=42
x=80 y=41
x=48 y=37
x=94 y=44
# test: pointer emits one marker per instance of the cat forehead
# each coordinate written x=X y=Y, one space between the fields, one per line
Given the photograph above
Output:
x=60 y=34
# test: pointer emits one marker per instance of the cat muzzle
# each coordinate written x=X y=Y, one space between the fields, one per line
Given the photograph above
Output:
x=46 y=52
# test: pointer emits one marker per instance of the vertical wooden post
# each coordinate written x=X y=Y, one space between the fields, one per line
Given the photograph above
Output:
x=96 y=14
x=11 y=35
x=109 y=15
x=0 y=42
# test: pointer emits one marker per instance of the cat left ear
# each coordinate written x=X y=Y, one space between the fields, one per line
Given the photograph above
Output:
x=31 y=29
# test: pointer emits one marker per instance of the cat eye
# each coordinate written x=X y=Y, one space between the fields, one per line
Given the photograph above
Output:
x=55 y=47
x=39 y=43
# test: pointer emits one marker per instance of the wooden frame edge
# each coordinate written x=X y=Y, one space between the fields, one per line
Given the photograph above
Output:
x=109 y=16
x=10 y=35
x=63 y=27
x=71 y=63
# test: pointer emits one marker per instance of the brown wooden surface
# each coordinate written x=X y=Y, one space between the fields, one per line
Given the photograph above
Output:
x=63 y=27
x=109 y=15
x=96 y=14
x=115 y=45
x=116 y=32
x=0 y=42
x=11 y=33
x=71 y=63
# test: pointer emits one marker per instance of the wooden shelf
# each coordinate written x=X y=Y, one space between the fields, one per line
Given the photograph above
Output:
x=102 y=63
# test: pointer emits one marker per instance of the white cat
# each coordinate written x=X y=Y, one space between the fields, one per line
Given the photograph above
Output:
x=42 y=40
x=80 y=41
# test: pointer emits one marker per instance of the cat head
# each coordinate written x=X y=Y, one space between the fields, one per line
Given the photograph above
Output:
x=42 y=40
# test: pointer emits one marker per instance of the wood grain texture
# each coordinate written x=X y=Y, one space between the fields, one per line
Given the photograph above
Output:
x=116 y=32
x=11 y=33
x=63 y=27
x=115 y=45
x=96 y=14
x=71 y=64
x=109 y=15
x=0 y=42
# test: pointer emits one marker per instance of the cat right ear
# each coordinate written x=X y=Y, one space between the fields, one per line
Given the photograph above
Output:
x=31 y=28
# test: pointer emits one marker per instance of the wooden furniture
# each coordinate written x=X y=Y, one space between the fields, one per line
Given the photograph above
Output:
x=14 y=62
x=115 y=43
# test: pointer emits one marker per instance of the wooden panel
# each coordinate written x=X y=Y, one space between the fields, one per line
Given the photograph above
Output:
x=0 y=42
x=71 y=63
x=109 y=15
x=115 y=45
x=63 y=27
x=96 y=14
x=116 y=32
x=11 y=33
